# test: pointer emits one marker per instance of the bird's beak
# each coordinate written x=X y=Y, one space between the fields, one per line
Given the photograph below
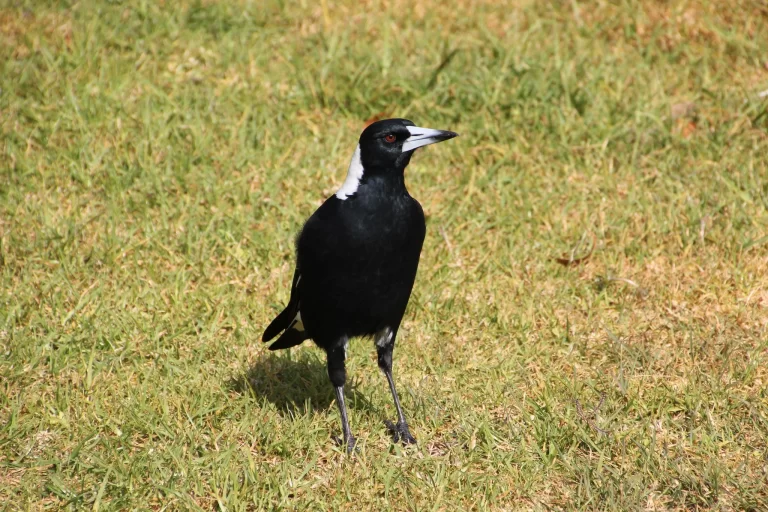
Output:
x=425 y=136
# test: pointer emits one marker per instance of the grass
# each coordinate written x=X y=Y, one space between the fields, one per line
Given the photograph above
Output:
x=157 y=158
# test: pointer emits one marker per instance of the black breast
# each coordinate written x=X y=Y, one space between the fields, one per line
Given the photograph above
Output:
x=358 y=262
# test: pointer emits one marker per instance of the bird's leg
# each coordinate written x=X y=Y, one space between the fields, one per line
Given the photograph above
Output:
x=385 y=344
x=338 y=375
x=347 y=438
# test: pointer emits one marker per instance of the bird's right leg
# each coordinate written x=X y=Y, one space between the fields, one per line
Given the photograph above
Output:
x=385 y=344
x=338 y=375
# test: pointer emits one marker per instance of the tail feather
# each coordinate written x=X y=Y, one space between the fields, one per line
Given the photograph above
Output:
x=288 y=322
x=290 y=338
x=280 y=323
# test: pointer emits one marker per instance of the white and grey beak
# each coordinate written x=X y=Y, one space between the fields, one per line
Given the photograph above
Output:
x=425 y=136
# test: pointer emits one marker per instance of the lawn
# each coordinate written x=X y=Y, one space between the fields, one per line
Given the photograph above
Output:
x=589 y=327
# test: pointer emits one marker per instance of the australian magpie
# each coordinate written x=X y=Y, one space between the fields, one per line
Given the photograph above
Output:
x=356 y=260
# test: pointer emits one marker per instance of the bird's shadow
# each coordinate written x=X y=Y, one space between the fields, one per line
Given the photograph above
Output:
x=294 y=383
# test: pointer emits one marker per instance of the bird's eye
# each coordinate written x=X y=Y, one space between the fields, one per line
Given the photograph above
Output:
x=390 y=138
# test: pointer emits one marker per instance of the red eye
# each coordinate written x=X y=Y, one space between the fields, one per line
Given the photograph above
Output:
x=390 y=138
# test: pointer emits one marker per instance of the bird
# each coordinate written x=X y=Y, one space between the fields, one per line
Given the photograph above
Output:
x=356 y=261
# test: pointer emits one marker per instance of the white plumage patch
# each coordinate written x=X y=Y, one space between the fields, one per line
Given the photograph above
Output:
x=297 y=323
x=383 y=338
x=354 y=175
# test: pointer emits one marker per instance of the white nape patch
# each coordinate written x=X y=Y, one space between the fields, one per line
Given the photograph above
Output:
x=421 y=137
x=346 y=346
x=383 y=337
x=354 y=175
x=297 y=323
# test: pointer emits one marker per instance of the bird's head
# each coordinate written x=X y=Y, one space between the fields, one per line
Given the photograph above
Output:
x=389 y=144
x=384 y=150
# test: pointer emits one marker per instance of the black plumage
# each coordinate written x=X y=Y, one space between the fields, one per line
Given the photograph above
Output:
x=357 y=258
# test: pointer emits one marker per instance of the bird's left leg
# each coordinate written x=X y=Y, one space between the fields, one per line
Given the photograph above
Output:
x=385 y=345
x=338 y=375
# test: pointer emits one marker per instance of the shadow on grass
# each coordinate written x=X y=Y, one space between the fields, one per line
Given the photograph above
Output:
x=294 y=383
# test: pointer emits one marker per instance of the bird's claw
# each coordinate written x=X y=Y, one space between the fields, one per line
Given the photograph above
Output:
x=350 y=443
x=400 y=432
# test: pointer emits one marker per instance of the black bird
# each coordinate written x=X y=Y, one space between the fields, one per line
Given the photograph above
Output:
x=356 y=260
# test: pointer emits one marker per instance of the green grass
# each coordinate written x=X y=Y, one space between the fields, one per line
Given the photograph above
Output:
x=157 y=159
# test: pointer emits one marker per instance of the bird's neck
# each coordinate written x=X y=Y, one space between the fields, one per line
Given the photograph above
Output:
x=372 y=180
x=389 y=184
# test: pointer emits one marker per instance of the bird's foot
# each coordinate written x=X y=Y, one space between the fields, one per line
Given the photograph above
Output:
x=400 y=432
x=350 y=442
